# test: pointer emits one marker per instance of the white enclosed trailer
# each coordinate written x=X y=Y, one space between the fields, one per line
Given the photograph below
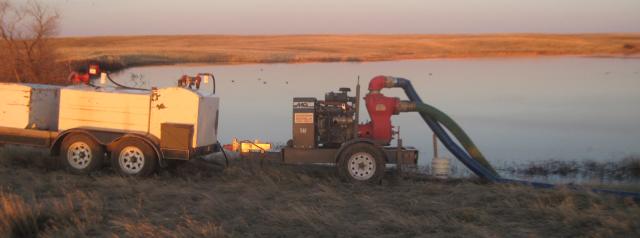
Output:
x=136 y=129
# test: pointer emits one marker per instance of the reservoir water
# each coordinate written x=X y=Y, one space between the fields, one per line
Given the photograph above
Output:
x=514 y=109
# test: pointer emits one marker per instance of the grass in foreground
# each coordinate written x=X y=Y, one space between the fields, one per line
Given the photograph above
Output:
x=249 y=199
x=127 y=51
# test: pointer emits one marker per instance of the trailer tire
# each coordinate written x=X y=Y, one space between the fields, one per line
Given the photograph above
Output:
x=81 y=154
x=361 y=163
x=134 y=157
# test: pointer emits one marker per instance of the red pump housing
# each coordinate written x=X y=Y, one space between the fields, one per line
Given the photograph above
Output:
x=380 y=108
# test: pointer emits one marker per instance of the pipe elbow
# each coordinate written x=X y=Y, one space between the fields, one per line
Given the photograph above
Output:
x=379 y=82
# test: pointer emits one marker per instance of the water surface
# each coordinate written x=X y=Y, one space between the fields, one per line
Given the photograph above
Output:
x=514 y=109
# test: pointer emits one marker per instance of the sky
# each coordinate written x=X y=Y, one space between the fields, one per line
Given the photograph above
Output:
x=247 y=17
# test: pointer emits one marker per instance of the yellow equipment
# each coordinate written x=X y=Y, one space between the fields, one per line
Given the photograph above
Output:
x=246 y=146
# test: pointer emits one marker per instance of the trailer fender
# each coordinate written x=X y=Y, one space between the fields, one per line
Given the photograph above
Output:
x=360 y=140
x=102 y=137
x=151 y=141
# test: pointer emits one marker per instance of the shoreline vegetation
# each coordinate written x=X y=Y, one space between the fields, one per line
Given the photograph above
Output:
x=119 y=52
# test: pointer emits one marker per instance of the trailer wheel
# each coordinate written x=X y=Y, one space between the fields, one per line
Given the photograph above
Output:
x=81 y=154
x=134 y=157
x=361 y=163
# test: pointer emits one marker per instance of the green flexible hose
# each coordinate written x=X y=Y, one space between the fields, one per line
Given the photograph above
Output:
x=426 y=110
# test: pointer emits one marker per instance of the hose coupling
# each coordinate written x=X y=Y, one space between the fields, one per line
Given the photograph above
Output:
x=390 y=82
x=406 y=106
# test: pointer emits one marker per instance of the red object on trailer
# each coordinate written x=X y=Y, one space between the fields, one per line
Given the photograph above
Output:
x=94 y=70
x=190 y=81
x=84 y=75
x=79 y=78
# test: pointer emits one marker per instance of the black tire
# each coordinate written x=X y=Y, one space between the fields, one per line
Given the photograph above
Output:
x=80 y=154
x=134 y=157
x=361 y=163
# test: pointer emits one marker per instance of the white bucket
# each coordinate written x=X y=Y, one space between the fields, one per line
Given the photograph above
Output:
x=440 y=167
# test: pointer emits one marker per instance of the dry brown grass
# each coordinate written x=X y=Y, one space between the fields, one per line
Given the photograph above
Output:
x=253 y=200
x=146 y=50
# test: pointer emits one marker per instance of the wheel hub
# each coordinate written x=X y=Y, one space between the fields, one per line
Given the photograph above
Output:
x=131 y=160
x=361 y=166
x=79 y=155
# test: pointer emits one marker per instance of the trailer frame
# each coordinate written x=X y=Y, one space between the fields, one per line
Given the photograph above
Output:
x=52 y=140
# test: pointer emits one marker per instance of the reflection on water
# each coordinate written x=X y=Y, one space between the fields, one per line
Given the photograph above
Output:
x=514 y=109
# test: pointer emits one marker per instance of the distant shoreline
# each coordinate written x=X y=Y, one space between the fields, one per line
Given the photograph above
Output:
x=119 y=52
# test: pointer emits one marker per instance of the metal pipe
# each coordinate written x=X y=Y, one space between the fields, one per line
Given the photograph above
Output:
x=399 y=153
x=357 y=108
x=435 y=146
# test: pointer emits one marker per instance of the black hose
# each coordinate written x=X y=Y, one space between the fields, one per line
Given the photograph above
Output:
x=213 y=82
x=226 y=159
x=124 y=86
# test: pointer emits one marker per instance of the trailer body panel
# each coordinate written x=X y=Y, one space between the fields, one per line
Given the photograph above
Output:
x=83 y=107
x=182 y=106
x=141 y=112
x=208 y=116
x=29 y=106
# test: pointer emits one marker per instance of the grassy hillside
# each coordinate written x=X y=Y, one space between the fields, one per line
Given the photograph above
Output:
x=145 y=50
x=252 y=200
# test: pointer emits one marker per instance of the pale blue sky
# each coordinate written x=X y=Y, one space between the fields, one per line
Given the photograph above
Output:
x=144 y=17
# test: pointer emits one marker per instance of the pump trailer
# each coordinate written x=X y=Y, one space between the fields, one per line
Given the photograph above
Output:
x=328 y=131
